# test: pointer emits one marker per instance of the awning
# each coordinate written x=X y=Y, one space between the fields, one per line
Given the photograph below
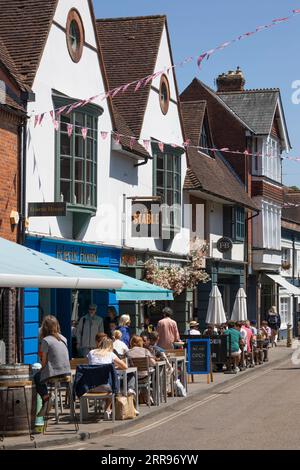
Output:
x=22 y=267
x=290 y=288
x=133 y=289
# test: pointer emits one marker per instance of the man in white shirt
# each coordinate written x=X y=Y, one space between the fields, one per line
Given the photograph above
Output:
x=194 y=329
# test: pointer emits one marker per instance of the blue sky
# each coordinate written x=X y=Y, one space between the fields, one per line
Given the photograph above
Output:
x=268 y=59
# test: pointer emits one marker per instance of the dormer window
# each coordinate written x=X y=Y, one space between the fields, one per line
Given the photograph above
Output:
x=75 y=35
x=164 y=94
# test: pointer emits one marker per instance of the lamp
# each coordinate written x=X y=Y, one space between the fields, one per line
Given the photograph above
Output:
x=14 y=218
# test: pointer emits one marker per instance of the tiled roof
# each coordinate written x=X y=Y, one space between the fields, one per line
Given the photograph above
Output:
x=130 y=47
x=24 y=28
x=255 y=107
x=291 y=200
x=11 y=99
x=210 y=175
x=122 y=128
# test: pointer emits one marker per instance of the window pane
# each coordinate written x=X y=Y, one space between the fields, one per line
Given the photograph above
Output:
x=65 y=144
x=160 y=193
x=177 y=163
x=89 y=149
x=79 y=146
x=177 y=182
x=65 y=120
x=79 y=121
x=170 y=180
x=160 y=162
x=160 y=179
x=170 y=199
x=89 y=172
x=89 y=200
x=65 y=189
x=79 y=193
x=170 y=160
x=65 y=168
x=79 y=175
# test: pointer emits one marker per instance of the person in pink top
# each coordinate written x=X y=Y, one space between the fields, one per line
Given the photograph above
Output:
x=246 y=327
x=167 y=330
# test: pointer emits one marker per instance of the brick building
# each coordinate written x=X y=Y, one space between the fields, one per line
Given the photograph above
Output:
x=12 y=117
x=252 y=121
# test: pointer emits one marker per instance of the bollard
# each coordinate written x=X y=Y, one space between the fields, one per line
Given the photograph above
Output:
x=39 y=421
x=289 y=340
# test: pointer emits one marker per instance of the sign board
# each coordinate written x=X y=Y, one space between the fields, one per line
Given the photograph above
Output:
x=198 y=355
x=47 y=209
x=218 y=347
x=146 y=219
x=224 y=244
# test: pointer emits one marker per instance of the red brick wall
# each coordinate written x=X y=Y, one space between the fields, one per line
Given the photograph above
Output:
x=9 y=173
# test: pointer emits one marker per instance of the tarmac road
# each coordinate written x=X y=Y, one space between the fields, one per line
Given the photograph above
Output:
x=258 y=411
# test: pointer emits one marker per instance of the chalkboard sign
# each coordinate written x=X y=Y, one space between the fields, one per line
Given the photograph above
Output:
x=198 y=355
x=218 y=346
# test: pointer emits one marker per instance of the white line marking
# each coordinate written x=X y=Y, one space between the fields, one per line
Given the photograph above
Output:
x=191 y=407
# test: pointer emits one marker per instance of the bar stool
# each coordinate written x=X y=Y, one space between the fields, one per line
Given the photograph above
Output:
x=57 y=384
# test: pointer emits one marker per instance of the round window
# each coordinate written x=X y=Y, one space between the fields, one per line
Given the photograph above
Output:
x=164 y=94
x=75 y=35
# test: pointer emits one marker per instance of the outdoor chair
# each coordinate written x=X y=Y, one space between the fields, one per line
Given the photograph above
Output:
x=95 y=383
x=143 y=365
x=57 y=385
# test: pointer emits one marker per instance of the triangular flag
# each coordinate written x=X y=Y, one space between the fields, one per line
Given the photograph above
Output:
x=146 y=144
x=117 y=138
x=41 y=118
x=187 y=143
x=125 y=87
x=84 y=132
x=104 y=135
x=36 y=120
x=132 y=142
x=200 y=59
x=70 y=130
x=56 y=124
x=116 y=91
x=161 y=146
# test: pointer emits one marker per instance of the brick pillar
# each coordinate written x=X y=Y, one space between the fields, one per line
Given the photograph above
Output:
x=9 y=317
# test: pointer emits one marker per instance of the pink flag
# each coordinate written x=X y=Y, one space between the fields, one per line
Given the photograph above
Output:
x=149 y=79
x=36 y=120
x=104 y=135
x=161 y=146
x=224 y=149
x=117 y=138
x=132 y=142
x=225 y=44
x=125 y=87
x=187 y=143
x=41 y=118
x=174 y=146
x=209 y=53
x=116 y=91
x=296 y=11
x=84 y=132
x=146 y=144
x=70 y=130
x=281 y=20
x=138 y=85
x=200 y=59
x=61 y=110
x=56 y=124
x=52 y=115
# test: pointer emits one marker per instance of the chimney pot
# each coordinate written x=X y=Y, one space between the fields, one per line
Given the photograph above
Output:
x=231 y=81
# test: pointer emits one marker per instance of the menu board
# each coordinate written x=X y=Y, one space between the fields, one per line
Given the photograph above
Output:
x=198 y=356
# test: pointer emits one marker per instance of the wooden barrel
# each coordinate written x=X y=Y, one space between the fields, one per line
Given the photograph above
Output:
x=15 y=379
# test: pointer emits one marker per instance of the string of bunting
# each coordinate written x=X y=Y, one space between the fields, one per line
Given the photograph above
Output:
x=146 y=143
x=144 y=81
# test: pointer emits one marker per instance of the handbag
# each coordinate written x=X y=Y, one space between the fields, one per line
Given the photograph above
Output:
x=125 y=408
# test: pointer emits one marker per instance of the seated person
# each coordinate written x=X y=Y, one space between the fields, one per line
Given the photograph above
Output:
x=138 y=350
x=234 y=334
x=210 y=330
x=120 y=348
x=193 y=329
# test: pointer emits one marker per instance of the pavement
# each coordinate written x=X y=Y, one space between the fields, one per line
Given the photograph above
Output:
x=63 y=434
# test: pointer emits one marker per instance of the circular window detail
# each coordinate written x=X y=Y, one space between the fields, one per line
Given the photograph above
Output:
x=164 y=94
x=75 y=35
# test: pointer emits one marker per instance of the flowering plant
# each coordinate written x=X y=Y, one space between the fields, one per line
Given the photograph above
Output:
x=177 y=278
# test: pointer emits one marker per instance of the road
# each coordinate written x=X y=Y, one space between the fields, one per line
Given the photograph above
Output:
x=260 y=410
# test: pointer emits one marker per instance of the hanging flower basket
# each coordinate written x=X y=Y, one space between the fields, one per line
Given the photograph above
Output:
x=286 y=266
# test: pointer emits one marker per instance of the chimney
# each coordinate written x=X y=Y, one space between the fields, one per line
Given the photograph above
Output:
x=231 y=81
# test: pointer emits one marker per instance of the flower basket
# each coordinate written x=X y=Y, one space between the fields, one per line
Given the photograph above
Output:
x=286 y=266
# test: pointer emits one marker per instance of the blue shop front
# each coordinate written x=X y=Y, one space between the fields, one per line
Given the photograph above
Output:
x=60 y=302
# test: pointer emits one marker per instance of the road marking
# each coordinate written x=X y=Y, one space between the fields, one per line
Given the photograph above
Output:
x=191 y=407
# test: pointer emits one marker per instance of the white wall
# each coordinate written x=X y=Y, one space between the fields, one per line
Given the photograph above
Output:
x=82 y=80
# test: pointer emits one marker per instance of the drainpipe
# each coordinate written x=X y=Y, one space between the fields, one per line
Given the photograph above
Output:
x=294 y=309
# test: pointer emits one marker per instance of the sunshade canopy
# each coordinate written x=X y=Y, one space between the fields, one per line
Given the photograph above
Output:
x=133 y=289
x=23 y=267
x=290 y=288
x=215 y=312
x=239 y=311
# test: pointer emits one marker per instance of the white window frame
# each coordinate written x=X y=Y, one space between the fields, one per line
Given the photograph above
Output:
x=271 y=160
x=285 y=310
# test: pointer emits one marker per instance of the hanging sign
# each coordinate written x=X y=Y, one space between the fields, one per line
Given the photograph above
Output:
x=146 y=218
x=224 y=245
x=47 y=209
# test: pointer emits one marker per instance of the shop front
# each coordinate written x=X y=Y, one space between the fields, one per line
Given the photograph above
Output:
x=61 y=302
x=133 y=264
x=229 y=276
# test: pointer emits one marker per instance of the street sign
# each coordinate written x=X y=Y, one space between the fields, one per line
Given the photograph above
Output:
x=198 y=356
x=47 y=209
x=224 y=244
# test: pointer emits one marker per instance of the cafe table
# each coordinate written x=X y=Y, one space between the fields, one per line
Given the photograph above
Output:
x=178 y=362
x=160 y=382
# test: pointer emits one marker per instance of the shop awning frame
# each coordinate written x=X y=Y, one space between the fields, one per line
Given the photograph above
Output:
x=23 y=267
x=282 y=282
x=133 y=289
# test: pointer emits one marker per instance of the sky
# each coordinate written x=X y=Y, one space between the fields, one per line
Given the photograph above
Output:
x=269 y=59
